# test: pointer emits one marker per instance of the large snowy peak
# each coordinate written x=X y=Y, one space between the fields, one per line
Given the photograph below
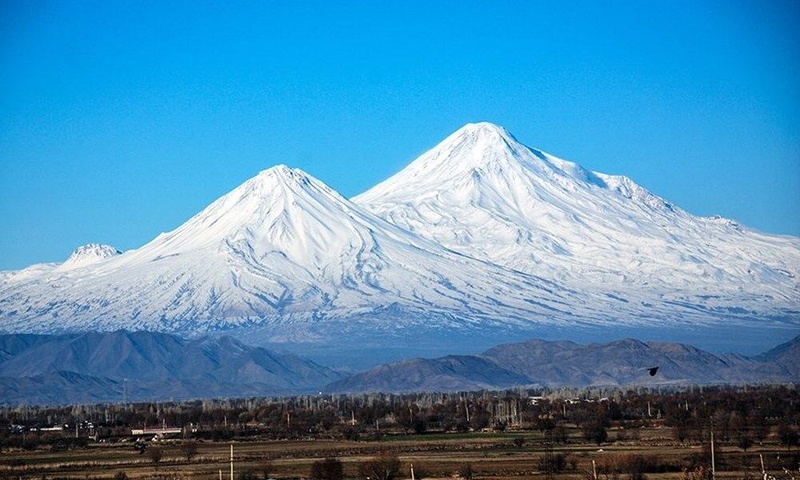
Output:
x=482 y=193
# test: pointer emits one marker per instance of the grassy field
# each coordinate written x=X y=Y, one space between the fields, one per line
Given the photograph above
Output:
x=653 y=455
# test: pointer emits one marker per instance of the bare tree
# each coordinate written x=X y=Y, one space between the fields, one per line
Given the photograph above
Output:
x=189 y=450
x=466 y=471
x=155 y=454
x=787 y=435
x=382 y=467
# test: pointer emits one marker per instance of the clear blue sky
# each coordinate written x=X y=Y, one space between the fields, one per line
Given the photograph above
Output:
x=120 y=120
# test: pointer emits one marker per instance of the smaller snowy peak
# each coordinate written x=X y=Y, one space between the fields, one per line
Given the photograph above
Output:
x=282 y=174
x=283 y=178
x=88 y=255
x=274 y=177
x=281 y=212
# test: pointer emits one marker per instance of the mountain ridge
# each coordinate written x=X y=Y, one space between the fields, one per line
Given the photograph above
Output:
x=152 y=366
x=147 y=365
x=542 y=364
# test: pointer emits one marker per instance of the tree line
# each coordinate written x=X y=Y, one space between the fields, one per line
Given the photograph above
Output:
x=736 y=415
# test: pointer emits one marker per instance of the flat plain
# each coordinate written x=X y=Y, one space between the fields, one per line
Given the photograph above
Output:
x=654 y=454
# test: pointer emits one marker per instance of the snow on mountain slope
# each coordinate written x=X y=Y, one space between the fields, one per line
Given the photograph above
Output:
x=480 y=236
x=284 y=252
x=482 y=193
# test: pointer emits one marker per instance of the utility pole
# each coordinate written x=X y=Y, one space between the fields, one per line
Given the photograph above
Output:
x=713 y=465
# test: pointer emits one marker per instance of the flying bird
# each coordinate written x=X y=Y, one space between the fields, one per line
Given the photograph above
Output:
x=652 y=371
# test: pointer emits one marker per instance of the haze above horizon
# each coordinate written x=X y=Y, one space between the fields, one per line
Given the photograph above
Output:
x=119 y=121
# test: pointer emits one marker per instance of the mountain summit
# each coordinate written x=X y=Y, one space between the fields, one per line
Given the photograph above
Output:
x=485 y=195
x=89 y=254
x=472 y=153
x=482 y=193
x=279 y=211
x=480 y=240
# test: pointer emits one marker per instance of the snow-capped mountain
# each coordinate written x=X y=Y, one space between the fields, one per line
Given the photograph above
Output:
x=478 y=238
x=286 y=253
x=482 y=193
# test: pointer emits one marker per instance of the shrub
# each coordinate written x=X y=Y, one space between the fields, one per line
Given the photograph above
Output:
x=328 y=469
x=155 y=454
x=552 y=462
x=466 y=471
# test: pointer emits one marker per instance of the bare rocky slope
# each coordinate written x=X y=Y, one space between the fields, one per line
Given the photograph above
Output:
x=121 y=365
x=133 y=366
x=538 y=363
